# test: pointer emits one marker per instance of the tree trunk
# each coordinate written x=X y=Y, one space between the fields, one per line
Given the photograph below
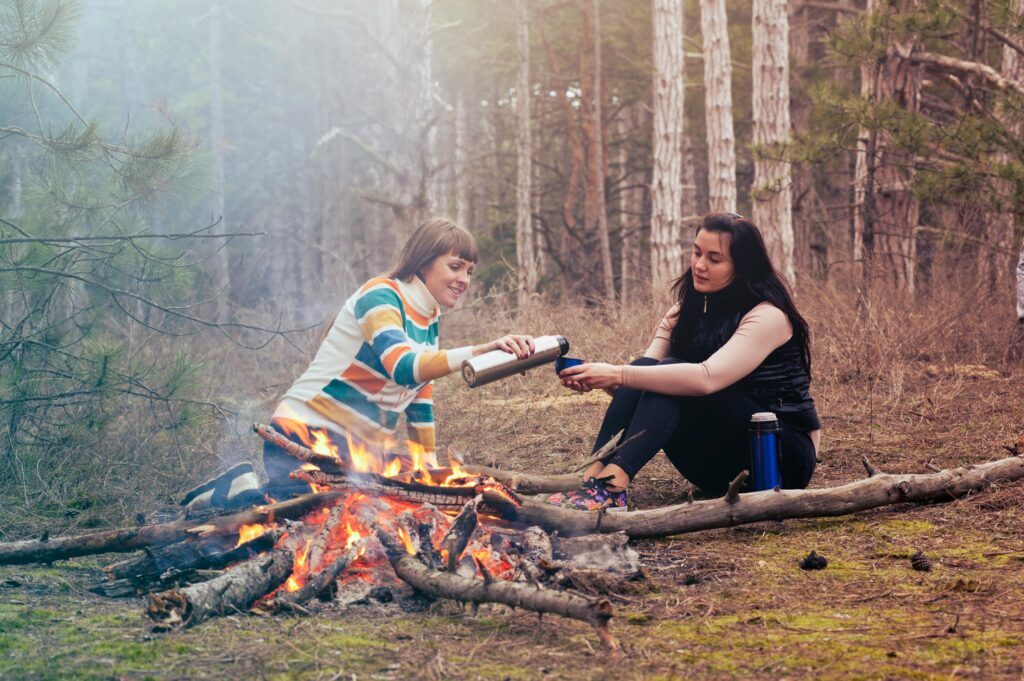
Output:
x=221 y=265
x=600 y=165
x=1012 y=68
x=526 y=260
x=773 y=209
x=886 y=213
x=718 y=107
x=464 y=110
x=630 y=208
x=669 y=130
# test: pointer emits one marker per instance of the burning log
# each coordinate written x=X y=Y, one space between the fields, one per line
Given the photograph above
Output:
x=880 y=489
x=457 y=538
x=234 y=591
x=122 y=541
x=412 y=571
x=166 y=567
x=322 y=461
x=293 y=600
x=497 y=499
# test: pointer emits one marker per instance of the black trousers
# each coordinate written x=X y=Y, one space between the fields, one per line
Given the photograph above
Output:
x=279 y=464
x=706 y=438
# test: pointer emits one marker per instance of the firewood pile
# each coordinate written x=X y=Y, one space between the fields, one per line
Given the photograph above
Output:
x=464 y=533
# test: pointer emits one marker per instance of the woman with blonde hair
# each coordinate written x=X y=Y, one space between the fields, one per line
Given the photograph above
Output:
x=377 y=361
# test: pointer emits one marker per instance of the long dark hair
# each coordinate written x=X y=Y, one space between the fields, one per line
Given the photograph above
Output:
x=755 y=278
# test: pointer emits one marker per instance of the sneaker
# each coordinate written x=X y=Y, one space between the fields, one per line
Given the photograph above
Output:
x=238 y=487
x=592 y=496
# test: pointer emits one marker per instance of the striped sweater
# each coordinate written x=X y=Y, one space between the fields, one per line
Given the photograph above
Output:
x=378 y=361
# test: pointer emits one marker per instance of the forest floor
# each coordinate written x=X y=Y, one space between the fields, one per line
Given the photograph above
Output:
x=728 y=603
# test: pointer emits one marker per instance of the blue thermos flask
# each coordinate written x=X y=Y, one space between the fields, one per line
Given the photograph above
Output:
x=765 y=451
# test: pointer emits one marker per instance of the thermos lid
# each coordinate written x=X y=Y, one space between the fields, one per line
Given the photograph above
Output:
x=763 y=417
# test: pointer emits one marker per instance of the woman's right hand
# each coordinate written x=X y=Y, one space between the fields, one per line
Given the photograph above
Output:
x=519 y=345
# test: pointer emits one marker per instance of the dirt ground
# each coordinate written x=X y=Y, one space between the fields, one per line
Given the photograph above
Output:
x=728 y=603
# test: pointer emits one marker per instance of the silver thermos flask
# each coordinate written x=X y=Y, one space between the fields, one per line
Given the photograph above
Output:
x=497 y=364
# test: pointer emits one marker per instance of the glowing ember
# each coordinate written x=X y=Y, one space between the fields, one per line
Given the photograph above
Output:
x=247 y=533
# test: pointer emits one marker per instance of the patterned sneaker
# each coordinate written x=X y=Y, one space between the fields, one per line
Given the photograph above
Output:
x=592 y=496
x=238 y=487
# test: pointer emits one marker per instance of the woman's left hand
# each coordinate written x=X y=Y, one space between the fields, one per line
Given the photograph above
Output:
x=592 y=375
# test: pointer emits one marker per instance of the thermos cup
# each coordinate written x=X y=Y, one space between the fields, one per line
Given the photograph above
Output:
x=765 y=451
x=497 y=364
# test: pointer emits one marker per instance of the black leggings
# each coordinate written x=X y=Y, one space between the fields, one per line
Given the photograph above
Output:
x=706 y=438
x=279 y=464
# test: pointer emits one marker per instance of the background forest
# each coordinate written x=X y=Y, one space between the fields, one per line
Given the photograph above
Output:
x=188 y=188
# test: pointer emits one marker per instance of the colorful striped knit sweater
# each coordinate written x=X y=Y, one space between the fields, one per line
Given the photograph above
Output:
x=377 y=362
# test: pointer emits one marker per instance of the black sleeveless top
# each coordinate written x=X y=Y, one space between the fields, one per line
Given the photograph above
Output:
x=781 y=383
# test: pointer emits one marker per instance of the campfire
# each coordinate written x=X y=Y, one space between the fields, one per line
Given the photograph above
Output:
x=380 y=519
x=463 y=533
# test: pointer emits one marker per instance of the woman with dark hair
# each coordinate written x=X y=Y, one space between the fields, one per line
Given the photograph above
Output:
x=733 y=345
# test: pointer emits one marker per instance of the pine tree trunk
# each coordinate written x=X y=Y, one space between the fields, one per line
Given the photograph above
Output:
x=463 y=178
x=525 y=260
x=600 y=165
x=628 y=212
x=718 y=107
x=1012 y=68
x=669 y=131
x=886 y=213
x=773 y=210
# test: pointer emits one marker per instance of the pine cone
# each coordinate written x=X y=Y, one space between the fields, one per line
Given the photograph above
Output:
x=920 y=562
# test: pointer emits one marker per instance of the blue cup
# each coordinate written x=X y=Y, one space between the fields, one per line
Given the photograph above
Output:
x=565 y=363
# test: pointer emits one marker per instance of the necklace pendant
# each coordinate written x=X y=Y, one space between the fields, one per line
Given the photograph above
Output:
x=705 y=304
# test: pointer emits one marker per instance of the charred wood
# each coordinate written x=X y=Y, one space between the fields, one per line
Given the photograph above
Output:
x=459 y=533
x=316 y=584
x=232 y=592
x=597 y=612
x=169 y=566
x=122 y=541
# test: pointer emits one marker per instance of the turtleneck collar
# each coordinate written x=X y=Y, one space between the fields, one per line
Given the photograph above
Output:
x=419 y=296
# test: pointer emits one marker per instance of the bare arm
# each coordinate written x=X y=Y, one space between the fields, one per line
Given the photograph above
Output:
x=761 y=331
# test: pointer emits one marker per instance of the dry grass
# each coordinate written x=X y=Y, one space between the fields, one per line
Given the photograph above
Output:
x=906 y=383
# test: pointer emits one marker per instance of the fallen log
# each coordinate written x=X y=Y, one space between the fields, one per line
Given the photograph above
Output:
x=121 y=541
x=880 y=489
x=595 y=612
x=234 y=591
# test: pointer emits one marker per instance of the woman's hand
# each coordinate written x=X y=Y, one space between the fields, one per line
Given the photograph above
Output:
x=519 y=345
x=585 y=377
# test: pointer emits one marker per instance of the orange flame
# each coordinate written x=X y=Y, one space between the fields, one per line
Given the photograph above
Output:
x=353 y=536
x=403 y=534
x=247 y=533
x=300 y=569
x=362 y=460
x=393 y=468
